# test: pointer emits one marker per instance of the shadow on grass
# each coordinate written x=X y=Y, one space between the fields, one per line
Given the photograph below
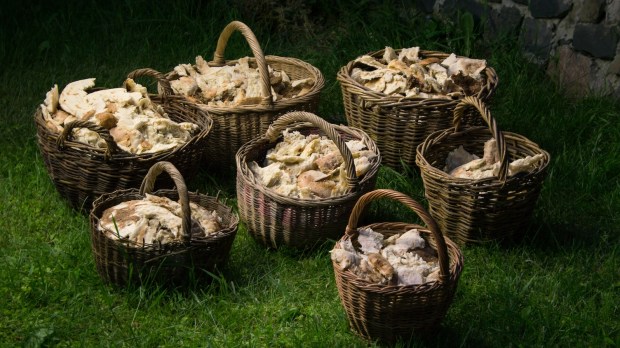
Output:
x=555 y=236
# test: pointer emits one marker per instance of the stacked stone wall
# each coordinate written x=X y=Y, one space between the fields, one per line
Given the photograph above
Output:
x=575 y=41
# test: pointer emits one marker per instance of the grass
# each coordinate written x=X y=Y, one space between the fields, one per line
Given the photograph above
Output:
x=558 y=287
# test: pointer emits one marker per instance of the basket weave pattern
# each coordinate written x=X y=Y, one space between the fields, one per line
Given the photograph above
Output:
x=121 y=262
x=388 y=313
x=276 y=220
x=399 y=124
x=483 y=209
x=81 y=172
x=237 y=125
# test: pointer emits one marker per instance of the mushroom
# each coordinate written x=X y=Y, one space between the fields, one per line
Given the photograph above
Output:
x=51 y=100
x=409 y=55
x=72 y=96
x=106 y=120
x=380 y=265
x=343 y=258
x=389 y=54
x=526 y=164
x=468 y=66
x=329 y=162
x=369 y=61
x=313 y=181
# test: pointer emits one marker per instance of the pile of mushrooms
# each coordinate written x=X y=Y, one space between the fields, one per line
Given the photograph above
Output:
x=233 y=85
x=401 y=259
x=136 y=124
x=462 y=164
x=309 y=167
x=155 y=220
x=408 y=74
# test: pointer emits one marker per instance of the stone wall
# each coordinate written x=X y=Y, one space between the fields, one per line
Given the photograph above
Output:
x=576 y=41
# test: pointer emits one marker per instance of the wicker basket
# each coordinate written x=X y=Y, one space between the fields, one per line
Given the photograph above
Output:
x=237 y=125
x=276 y=220
x=476 y=210
x=389 y=312
x=399 y=124
x=82 y=172
x=121 y=262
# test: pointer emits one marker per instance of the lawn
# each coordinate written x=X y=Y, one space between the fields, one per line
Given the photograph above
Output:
x=559 y=286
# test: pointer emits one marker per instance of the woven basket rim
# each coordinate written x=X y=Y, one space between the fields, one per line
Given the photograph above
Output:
x=120 y=154
x=244 y=172
x=175 y=245
x=389 y=100
x=319 y=83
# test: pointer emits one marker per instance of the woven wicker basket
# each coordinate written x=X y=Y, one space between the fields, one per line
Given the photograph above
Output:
x=121 y=262
x=276 y=220
x=236 y=125
x=82 y=172
x=399 y=124
x=478 y=210
x=389 y=312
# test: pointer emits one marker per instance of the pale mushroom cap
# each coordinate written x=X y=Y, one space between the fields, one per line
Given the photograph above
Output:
x=71 y=97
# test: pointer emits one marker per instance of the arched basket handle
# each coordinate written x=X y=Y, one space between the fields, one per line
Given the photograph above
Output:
x=148 y=184
x=492 y=124
x=358 y=209
x=111 y=146
x=218 y=56
x=163 y=83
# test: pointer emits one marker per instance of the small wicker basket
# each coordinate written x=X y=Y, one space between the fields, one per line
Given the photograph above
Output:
x=236 y=125
x=276 y=220
x=121 y=262
x=399 y=124
x=476 y=210
x=82 y=172
x=389 y=312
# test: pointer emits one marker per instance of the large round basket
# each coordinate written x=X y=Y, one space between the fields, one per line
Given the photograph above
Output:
x=399 y=124
x=236 y=125
x=275 y=220
x=82 y=172
x=477 y=210
x=122 y=262
x=389 y=312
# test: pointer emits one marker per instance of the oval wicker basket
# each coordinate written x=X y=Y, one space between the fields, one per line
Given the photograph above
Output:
x=476 y=210
x=82 y=172
x=122 y=262
x=399 y=124
x=276 y=220
x=390 y=312
x=236 y=125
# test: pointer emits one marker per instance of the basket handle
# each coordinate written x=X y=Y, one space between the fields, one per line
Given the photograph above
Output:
x=111 y=146
x=274 y=130
x=149 y=182
x=361 y=203
x=160 y=77
x=218 y=56
x=490 y=121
